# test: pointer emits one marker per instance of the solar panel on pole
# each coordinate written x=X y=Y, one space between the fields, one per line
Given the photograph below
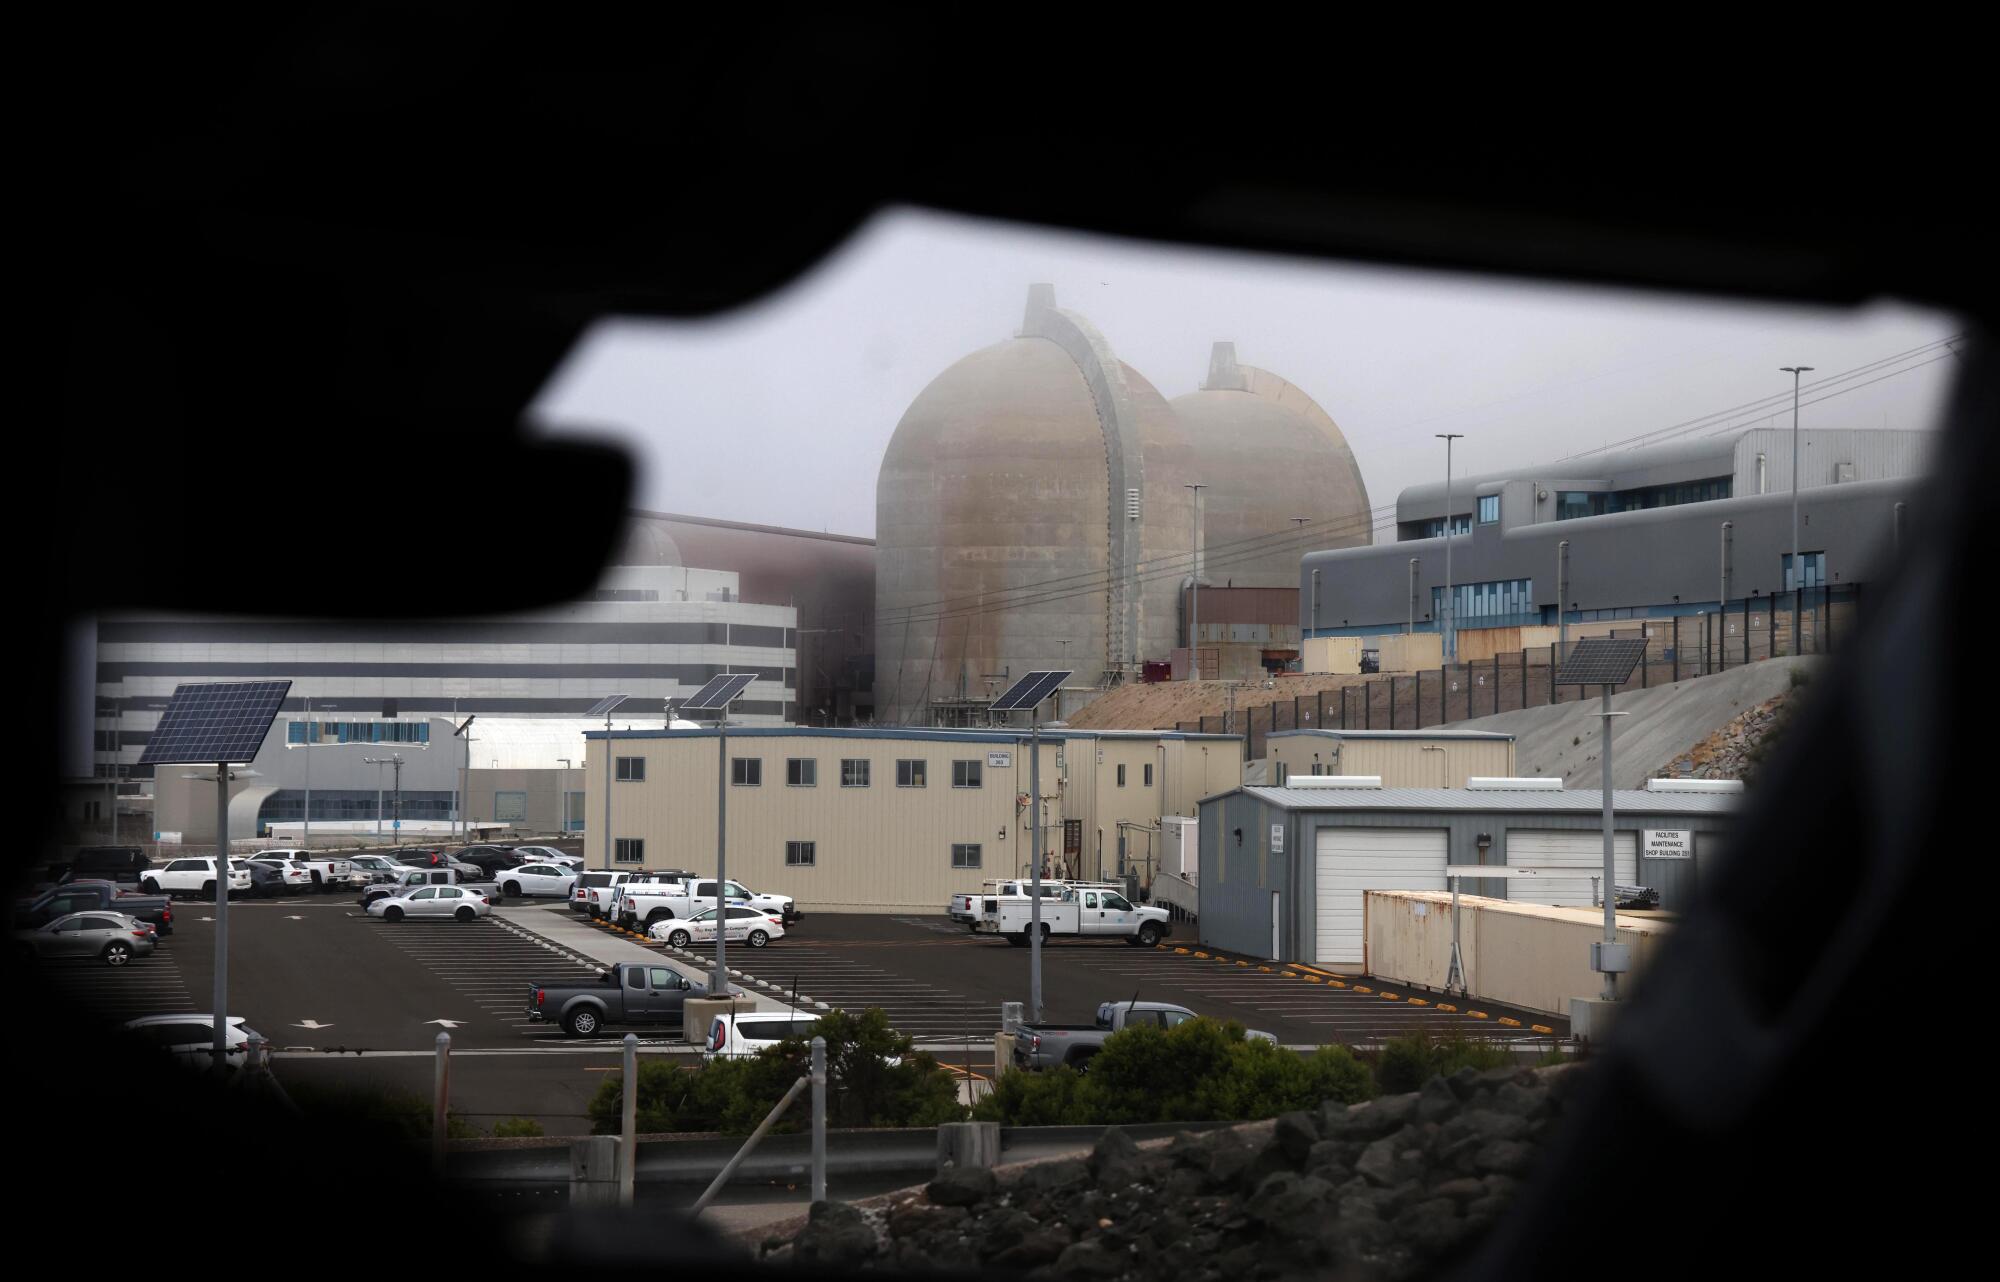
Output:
x=209 y=724
x=1600 y=661
x=219 y=724
x=717 y=695
x=1030 y=690
x=604 y=706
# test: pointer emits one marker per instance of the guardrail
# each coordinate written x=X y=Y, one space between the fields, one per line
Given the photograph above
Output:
x=695 y=1159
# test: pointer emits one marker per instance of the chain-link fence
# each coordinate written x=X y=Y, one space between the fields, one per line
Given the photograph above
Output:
x=1678 y=647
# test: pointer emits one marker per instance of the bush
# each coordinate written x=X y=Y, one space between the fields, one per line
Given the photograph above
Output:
x=1406 y=1063
x=516 y=1128
x=1200 y=1070
x=863 y=1088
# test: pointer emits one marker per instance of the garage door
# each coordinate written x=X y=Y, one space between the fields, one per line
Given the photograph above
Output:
x=1352 y=860
x=1580 y=850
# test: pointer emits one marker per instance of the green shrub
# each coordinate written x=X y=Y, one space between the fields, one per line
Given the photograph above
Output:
x=1200 y=1070
x=1406 y=1063
x=863 y=1088
x=516 y=1128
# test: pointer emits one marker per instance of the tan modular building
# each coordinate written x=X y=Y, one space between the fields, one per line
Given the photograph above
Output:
x=1337 y=655
x=1407 y=651
x=895 y=820
x=1403 y=758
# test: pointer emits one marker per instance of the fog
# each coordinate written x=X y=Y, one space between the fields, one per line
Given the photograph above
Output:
x=778 y=414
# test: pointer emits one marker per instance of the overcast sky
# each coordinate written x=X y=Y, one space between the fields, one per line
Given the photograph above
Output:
x=779 y=414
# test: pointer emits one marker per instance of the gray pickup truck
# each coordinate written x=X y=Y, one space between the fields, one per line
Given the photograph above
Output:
x=1040 y=1046
x=81 y=896
x=416 y=877
x=628 y=993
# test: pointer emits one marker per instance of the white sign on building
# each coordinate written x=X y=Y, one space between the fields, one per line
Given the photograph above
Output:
x=1277 y=839
x=1669 y=843
x=1000 y=760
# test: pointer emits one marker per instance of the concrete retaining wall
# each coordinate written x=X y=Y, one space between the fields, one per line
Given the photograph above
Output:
x=1527 y=955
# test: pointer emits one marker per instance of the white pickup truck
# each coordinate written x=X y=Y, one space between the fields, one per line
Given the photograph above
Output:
x=653 y=901
x=327 y=873
x=1080 y=911
x=984 y=906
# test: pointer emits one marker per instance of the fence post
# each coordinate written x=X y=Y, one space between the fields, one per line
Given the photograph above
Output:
x=1319 y=709
x=819 y=1119
x=440 y=1103
x=1368 y=706
x=1675 y=648
x=1496 y=683
x=1343 y=707
x=1418 y=699
x=1524 y=676
x=1392 y=702
x=628 y=1131
x=1554 y=658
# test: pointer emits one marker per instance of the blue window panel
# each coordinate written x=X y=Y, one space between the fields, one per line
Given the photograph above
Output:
x=1489 y=509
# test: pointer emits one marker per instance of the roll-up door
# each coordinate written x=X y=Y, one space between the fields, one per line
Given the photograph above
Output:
x=1577 y=849
x=1349 y=861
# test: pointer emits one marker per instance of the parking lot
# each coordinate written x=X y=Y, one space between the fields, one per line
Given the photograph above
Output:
x=942 y=984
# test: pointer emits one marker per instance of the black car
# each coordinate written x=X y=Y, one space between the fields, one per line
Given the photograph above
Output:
x=421 y=858
x=265 y=879
x=489 y=859
x=126 y=864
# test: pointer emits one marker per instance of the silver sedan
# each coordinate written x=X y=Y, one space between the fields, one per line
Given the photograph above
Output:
x=432 y=901
x=112 y=938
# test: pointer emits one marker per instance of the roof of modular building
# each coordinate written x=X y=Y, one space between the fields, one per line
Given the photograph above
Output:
x=1393 y=734
x=1567 y=801
x=996 y=735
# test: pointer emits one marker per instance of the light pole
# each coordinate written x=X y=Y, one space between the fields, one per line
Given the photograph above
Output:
x=1798 y=563
x=1450 y=620
x=306 y=833
x=464 y=780
x=562 y=790
x=394 y=759
x=1194 y=607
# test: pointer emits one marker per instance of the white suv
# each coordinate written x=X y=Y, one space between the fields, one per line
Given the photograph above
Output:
x=195 y=876
x=747 y=1032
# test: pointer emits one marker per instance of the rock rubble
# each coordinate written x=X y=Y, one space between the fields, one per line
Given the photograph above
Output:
x=1381 y=1190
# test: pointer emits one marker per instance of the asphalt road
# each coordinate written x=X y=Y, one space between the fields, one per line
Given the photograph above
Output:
x=940 y=983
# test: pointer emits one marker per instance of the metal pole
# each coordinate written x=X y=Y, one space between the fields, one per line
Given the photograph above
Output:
x=306 y=840
x=1722 y=608
x=378 y=802
x=1194 y=606
x=1562 y=595
x=720 y=985
x=1450 y=607
x=220 y=1044
x=440 y=1103
x=1313 y=628
x=1798 y=563
x=1412 y=628
x=628 y=1131
x=1035 y=867
x=1610 y=873
x=610 y=845
x=819 y=1119
x=729 y=1168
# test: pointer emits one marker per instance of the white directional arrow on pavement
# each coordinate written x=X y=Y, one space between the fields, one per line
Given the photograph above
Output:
x=204 y=919
x=448 y=1023
x=294 y=917
x=313 y=1024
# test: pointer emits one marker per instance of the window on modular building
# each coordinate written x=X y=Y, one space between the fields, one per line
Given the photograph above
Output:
x=630 y=850
x=965 y=855
x=1121 y=776
x=910 y=774
x=854 y=772
x=631 y=770
x=965 y=774
x=746 y=772
x=801 y=772
x=510 y=807
x=1148 y=777
x=800 y=854
x=1489 y=508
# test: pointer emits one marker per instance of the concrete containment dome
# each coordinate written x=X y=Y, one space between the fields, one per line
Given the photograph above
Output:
x=1019 y=505
x=1267 y=453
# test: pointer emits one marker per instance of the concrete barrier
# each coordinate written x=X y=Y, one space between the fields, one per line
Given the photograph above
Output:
x=1527 y=955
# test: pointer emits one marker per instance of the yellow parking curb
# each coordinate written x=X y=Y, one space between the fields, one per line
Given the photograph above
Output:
x=1511 y=1023
x=1181 y=951
x=1203 y=956
x=1335 y=983
x=1418 y=1001
x=1389 y=997
x=1265 y=969
x=1361 y=988
x=1447 y=1008
x=1540 y=1028
x=1243 y=963
x=1312 y=979
x=1476 y=1014
x=1290 y=974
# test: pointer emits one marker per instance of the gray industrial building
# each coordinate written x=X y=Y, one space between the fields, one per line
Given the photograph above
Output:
x=1649 y=533
x=1283 y=871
